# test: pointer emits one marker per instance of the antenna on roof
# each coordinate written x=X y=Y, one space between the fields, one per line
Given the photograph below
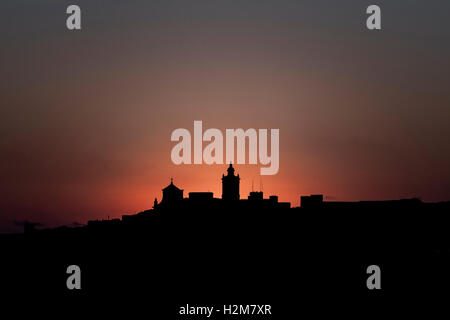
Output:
x=252 y=186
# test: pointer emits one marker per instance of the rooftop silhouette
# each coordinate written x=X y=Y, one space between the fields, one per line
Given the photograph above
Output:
x=174 y=205
x=190 y=239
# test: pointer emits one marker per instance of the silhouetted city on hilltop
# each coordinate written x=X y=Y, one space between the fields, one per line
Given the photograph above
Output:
x=174 y=206
x=205 y=205
x=247 y=238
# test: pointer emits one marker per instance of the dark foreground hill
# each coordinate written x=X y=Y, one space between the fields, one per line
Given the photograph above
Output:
x=231 y=254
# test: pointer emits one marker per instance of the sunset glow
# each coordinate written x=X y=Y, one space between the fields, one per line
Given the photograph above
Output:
x=86 y=117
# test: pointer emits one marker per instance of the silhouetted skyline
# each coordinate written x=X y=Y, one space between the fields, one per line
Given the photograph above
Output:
x=174 y=205
x=86 y=116
x=204 y=248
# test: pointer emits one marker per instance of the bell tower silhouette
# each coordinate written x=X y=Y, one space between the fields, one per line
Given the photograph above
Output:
x=230 y=185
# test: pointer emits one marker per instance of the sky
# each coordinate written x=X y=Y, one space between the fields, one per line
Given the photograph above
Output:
x=86 y=116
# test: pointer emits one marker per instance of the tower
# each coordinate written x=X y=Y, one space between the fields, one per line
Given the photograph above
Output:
x=230 y=185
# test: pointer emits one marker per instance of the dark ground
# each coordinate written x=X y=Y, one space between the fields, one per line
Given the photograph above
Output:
x=297 y=260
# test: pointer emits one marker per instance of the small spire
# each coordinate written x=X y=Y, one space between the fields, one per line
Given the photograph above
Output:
x=230 y=170
x=171 y=180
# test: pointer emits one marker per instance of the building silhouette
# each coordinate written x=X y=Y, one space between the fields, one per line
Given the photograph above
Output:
x=171 y=193
x=256 y=195
x=199 y=206
x=191 y=238
x=312 y=201
x=201 y=196
x=230 y=185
